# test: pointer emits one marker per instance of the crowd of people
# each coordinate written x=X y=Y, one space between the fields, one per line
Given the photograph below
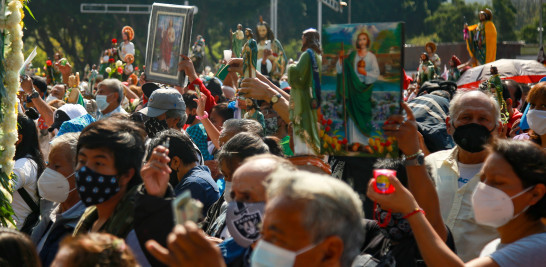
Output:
x=96 y=179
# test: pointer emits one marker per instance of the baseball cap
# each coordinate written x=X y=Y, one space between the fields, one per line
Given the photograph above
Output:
x=149 y=88
x=162 y=100
x=215 y=87
x=66 y=113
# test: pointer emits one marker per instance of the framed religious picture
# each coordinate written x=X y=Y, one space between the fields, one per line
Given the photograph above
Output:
x=169 y=33
x=362 y=78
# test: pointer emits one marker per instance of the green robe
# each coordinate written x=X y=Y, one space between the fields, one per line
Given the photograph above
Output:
x=477 y=37
x=237 y=45
x=454 y=74
x=358 y=96
x=304 y=119
x=258 y=116
x=427 y=75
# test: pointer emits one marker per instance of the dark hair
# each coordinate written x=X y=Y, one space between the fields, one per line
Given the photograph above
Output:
x=29 y=147
x=16 y=250
x=255 y=103
x=519 y=92
x=270 y=35
x=528 y=161
x=505 y=92
x=250 y=33
x=40 y=83
x=188 y=99
x=224 y=111
x=274 y=145
x=524 y=88
x=124 y=139
x=240 y=147
x=426 y=55
x=367 y=36
x=98 y=249
x=180 y=145
x=312 y=40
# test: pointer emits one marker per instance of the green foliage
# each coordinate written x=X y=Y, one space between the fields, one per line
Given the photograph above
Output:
x=529 y=33
x=422 y=39
x=448 y=21
x=504 y=17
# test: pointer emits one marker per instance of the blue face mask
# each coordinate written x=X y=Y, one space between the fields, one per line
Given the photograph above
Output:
x=95 y=188
x=284 y=84
x=102 y=103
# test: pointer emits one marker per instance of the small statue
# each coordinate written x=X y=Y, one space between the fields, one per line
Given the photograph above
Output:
x=127 y=47
x=266 y=40
x=305 y=95
x=128 y=69
x=198 y=54
x=253 y=112
x=73 y=94
x=54 y=75
x=250 y=56
x=237 y=40
x=92 y=80
x=426 y=70
x=454 y=73
x=495 y=85
x=433 y=57
x=482 y=41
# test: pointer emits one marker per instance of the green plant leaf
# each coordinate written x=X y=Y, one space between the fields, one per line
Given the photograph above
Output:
x=30 y=12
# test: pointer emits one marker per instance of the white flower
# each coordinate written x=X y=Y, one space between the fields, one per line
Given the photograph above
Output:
x=119 y=64
x=108 y=70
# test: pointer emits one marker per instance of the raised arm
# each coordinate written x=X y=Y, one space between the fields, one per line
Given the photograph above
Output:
x=254 y=88
x=419 y=182
x=39 y=103
x=212 y=132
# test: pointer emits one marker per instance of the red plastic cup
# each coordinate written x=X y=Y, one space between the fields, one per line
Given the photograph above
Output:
x=381 y=184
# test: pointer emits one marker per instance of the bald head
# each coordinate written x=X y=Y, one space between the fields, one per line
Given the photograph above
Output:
x=249 y=178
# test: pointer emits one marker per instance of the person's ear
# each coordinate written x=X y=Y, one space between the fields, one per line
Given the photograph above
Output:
x=538 y=193
x=193 y=111
x=19 y=139
x=216 y=98
x=509 y=103
x=332 y=250
x=126 y=178
x=175 y=163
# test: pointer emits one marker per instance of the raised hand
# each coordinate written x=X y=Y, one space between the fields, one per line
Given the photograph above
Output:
x=187 y=246
x=201 y=102
x=155 y=173
x=405 y=131
x=186 y=65
x=254 y=88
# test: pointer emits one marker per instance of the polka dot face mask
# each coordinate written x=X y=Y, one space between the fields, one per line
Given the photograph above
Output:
x=95 y=188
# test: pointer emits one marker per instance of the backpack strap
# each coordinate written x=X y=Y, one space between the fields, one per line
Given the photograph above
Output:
x=26 y=197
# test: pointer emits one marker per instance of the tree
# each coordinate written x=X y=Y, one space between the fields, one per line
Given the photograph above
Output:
x=529 y=33
x=504 y=17
x=448 y=21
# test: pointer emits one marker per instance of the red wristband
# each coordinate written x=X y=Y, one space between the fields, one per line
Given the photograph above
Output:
x=417 y=210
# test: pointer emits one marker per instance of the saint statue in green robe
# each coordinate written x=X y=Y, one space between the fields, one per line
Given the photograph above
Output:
x=426 y=70
x=360 y=70
x=237 y=41
x=266 y=40
x=304 y=80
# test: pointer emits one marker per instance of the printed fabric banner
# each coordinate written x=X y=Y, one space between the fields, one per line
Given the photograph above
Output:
x=361 y=87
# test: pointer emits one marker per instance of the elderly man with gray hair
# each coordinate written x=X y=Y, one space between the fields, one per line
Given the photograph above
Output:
x=474 y=119
x=109 y=97
x=60 y=200
x=310 y=220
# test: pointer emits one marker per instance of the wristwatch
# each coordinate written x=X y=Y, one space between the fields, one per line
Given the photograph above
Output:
x=275 y=99
x=417 y=159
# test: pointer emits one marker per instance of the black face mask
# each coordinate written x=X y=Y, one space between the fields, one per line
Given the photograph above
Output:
x=190 y=119
x=173 y=178
x=472 y=137
x=154 y=126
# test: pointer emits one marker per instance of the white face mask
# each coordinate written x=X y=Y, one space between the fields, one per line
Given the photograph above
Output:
x=266 y=254
x=53 y=186
x=537 y=121
x=102 y=103
x=493 y=207
x=50 y=98
x=227 y=192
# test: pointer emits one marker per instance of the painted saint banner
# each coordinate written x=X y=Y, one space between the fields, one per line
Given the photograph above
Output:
x=362 y=80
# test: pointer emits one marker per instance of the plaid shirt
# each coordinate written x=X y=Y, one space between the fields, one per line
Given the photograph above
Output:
x=199 y=136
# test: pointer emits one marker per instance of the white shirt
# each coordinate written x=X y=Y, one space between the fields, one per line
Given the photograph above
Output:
x=100 y=115
x=27 y=175
x=456 y=205
x=268 y=64
x=467 y=172
x=126 y=49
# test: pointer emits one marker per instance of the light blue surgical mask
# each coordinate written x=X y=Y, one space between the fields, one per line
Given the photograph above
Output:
x=266 y=254
x=102 y=103
x=284 y=84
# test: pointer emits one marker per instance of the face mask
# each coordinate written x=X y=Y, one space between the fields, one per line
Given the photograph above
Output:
x=266 y=254
x=271 y=126
x=173 y=178
x=53 y=186
x=393 y=226
x=243 y=221
x=50 y=98
x=493 y=207
x=95 y=188
x=154 y=126
x=102 y=103
x=227 y=192
x=537 y=121
x=190 y=119
x=472 y=137
x=284 y=84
